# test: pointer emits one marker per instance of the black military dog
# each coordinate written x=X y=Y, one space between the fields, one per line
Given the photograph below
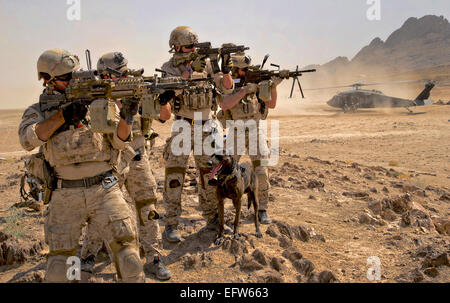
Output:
x=233 y=181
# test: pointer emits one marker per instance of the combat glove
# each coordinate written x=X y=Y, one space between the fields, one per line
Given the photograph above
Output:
x=74 y=113
x=199 y=64
x=129 y=109
x=165 y=97
x=227 y=64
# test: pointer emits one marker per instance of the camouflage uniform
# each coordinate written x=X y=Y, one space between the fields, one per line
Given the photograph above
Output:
x=75 y=154
x=141 y=186
x=176 y=165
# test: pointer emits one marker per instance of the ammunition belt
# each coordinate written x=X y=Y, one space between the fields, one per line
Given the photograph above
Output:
x=86 y=182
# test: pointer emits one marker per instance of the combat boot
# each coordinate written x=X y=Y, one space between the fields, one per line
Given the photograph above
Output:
x=157 y=268
x=87 y=265
x=263 y=217
x=213 y=224
x=171 y=233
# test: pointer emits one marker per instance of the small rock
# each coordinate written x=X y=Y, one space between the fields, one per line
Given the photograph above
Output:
x=285 y=229
x=304 y=266
x=311 y=197
x=272 y=231
x=431 y=272
x=268 y=276
x=276 y=264
x=285 y=242
x=315 y=184
x=292 y=254
x=441 y=259
x=370 y=176
x=190 y=261
x=302 y=233
x=417 y=275
x=31 y=277
x=327 y=277
x=247 y=263
x=373 y=190
x=260 y=257
x=442 y=226
x=389 y=214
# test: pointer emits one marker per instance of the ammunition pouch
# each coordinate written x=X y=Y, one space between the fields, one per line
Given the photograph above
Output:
x=263 y=109
x=150 y=106
x=265 y=90
x=103 y=116
x=197 y=98
x=40 y=177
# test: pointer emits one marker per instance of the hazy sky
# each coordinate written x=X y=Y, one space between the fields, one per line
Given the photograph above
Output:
x=292 y=31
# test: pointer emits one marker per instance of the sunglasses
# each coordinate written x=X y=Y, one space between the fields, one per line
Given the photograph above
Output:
x=66 y=77
x=190 y=46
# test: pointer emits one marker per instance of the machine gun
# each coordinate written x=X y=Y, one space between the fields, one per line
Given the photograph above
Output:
x=100 y=95
x=258 y=75
x=205 y=49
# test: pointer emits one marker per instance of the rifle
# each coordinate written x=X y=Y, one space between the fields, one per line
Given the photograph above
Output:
x=87 y=88
x=258 y=75
x=205 y=49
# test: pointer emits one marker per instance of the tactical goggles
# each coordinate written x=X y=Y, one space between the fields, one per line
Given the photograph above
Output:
x=190 y=46
x=65 y=77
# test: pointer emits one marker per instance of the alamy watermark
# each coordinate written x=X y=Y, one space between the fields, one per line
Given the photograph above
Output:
x=374 y=10
x=74 y=271
x=249 y=135
x=74 y=10
x=374 y=271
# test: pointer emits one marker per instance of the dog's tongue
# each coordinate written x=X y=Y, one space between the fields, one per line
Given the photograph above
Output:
x=214 y=171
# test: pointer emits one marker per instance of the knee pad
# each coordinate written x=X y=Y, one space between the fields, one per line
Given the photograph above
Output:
x=56 y=269
x=129 y=265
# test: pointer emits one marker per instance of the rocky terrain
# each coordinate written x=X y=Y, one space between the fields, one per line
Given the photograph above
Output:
x=347 y=189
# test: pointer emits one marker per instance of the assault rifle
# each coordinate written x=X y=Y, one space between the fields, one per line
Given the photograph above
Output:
x=87 y=88
x=205 y=49
x=258 y=75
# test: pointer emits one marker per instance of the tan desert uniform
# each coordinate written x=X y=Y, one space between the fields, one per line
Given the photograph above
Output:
x=249 y=108
x=141 y=186
x=199 y=101
x=78 y=153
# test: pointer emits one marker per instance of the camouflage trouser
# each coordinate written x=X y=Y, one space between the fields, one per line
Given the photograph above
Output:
x=141 y=186
x=174 y=180
x=107 y=211
x=261 y=172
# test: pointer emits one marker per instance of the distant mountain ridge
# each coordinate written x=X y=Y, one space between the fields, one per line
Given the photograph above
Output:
x=419 y=43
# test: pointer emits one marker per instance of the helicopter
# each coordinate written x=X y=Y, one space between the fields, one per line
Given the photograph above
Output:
x=356 y=97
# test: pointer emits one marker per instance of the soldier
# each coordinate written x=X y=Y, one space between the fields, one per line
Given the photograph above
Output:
x=84 y=166
x=139 y=182
x=244 y=104
x=182 y=41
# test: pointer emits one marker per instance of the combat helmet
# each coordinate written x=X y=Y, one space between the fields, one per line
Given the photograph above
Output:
x=240 y=60
x=114 y=60
x=57 y=62
x=182 y=35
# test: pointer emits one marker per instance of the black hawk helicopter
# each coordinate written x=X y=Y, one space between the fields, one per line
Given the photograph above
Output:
x=351 y=100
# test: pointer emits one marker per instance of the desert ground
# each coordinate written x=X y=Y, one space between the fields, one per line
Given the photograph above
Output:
x=347 y=187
